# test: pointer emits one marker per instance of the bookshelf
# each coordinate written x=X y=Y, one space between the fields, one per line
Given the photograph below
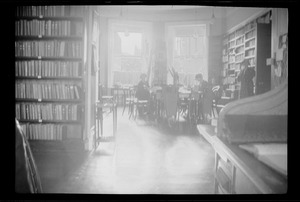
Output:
x=250 y=42
x=49 y=91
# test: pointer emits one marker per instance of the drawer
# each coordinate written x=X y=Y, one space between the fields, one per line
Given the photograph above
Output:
x=223 y=180
x=226 y=166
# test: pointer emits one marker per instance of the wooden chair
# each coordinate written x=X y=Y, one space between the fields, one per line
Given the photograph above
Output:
x=216 y=91
x=128 y=100
x=105 y=104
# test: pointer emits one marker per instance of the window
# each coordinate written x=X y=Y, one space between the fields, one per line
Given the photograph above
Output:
x=128 y=44
x=189 y=46
x=189 y=51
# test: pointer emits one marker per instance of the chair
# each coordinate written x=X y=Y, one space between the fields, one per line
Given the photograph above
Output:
x=105 y=102
x=217 y=90
x=118 y=93
x=214 y=108
x=128 y=99
x=138 y=105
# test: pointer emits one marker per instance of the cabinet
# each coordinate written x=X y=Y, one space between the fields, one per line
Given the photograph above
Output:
x=49 y=87
x=239 y=172
x=251 y=42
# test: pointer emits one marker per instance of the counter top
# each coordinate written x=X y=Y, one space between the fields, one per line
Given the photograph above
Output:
x=263 y=177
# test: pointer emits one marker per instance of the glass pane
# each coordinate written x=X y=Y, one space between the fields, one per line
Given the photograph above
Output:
x=128 y=43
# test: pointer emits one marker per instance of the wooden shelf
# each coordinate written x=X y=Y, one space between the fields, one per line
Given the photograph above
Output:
x=240 y=45
x=237 y=54
x=64 y=145
x=49 y=100
x=250 y=30
x=250 y=56
x=54 y=18
x=47 y=58
x=50 y=121
x=49 y=78
x=75 y=38
x=248 y=48
x=249 y=39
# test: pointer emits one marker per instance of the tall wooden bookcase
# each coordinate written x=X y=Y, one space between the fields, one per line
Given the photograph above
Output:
x=49 y=86
x=251 y=42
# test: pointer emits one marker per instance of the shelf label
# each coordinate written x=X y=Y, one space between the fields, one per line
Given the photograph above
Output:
x=39 y=77
x=39 y=100
x=40 y=36
x=39 y=57
x=40 y=120
x=40 y=16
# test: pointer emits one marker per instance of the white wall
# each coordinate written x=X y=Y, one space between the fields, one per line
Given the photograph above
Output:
x=240 y=15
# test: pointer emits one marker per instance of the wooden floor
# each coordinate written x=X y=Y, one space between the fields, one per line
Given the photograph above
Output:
x=144 y=159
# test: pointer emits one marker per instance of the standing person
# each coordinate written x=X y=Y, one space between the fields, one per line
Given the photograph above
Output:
x=246 y=76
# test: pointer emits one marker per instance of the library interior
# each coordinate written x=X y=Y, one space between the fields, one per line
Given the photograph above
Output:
x=148 y=99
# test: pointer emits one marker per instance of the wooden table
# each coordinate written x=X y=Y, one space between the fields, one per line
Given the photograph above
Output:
x=239 y=172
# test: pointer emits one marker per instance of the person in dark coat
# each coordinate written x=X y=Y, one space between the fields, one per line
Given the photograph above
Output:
x=203 y=96
x=142 y=91
x=246 y=76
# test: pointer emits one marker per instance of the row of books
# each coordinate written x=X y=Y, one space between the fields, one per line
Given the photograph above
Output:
x=239 y=58
x=231 y=66
x=46 y=90
x=231 y=58
x=48 y=28
x=249 y=35
x=49 y=112
x=239 y=50
x=250 y=52
x=225 y=58
x=229 y=80
x=50 y=131
x=252 y=61
x=53 y=48
x=240 y=41
x=250 y=43
x=231 y=44
x=239 y=32
x=249 y=26
x=44 y=68
x=48 y=11
x=42 y=131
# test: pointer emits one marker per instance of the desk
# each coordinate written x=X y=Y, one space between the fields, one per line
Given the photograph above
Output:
x=238 y=172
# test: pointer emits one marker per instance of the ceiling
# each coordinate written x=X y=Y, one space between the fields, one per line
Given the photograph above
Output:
x=165 y=9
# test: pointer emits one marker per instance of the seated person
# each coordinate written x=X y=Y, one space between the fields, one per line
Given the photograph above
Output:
x=142 y=93
x=204 y=101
